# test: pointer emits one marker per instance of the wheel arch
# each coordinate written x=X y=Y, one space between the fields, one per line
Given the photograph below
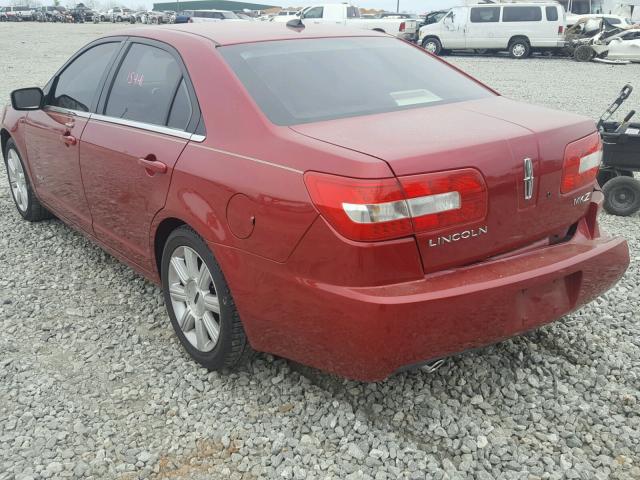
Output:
x=432 y=36
x=518 y=37
x=160 y=236
x=4 y=138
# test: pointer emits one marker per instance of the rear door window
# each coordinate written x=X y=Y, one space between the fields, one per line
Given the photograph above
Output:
x=552 y=14
x=485 y=14
x=144 y=87
x=353 y=12
x=76 y=87
x=521 y=14
x=181 y=109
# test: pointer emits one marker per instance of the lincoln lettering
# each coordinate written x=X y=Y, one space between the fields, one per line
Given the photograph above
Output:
x=454 y=237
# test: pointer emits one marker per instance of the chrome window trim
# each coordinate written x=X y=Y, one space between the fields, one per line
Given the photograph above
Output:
x=67 y=111
x=149 y=127
x=129 y=123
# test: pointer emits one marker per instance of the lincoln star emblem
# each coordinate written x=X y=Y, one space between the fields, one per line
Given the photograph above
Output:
x=528 y=179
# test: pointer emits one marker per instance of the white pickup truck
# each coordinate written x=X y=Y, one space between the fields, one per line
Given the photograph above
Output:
x=343 y=14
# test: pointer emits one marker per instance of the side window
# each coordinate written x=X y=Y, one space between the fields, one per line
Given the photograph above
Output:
x=144 y=86
x=485 y=14
x=552 y=14
x=353 y=12
x=521 y=14
x=181 y=110
x=315 y=12
x=76 y=87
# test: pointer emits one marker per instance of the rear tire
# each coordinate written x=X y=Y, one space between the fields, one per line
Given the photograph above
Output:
x=27 y=204
x=519 y=48
x=622 y=196
x=432 y=45
x=199 y=303
x=606 y=174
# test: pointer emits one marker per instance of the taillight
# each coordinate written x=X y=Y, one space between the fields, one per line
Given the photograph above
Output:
x=581 y=162
x=560 y=29
x=382 y=209
x=360 y=209
x=443 y=199
x=402 y=26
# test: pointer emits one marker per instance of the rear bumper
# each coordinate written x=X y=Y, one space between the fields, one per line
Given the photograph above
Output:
x=367 y=333
x=409 y=37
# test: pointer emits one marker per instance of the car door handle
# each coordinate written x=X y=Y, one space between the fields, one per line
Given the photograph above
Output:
x=68 y=139
x=152 y=166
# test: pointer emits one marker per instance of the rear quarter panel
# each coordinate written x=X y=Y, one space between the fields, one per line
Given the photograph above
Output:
x=243 y=186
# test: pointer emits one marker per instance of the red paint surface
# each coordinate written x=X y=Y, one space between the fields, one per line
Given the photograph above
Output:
x=360 y=309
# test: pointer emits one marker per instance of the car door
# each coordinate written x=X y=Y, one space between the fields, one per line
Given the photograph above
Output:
x=453 y=25
x=483 y=28
x=53 y=134
x=148 y=113
x=314 y=15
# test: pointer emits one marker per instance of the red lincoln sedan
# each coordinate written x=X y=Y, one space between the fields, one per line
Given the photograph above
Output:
x=340 y=198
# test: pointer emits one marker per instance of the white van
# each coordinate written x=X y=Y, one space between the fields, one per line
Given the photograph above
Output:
x=518 y=28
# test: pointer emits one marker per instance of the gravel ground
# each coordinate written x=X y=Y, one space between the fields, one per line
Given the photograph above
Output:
x=93 y=383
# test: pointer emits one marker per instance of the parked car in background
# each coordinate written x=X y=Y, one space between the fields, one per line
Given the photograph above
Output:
x=51 y=14
x=153 y=17
x=18 y=13
x=412 y=16
x=120 y=14
x=345 y=14
x=518 y=28
x=284 y=16
x=621 y=46
x=214 y=16
x=433 y=17
x=184 y=16
x=81 y=13
x=244 y=16
x=614 y=20
x=3 y=15
x=410 y=214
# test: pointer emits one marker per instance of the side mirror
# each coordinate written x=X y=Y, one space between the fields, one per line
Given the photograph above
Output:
x=27 y=98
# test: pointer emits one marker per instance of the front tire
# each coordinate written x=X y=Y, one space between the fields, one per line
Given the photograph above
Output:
x=584 y=53
x=25 y=199
x=199 y=302
x=432 y=45
x=621 y=196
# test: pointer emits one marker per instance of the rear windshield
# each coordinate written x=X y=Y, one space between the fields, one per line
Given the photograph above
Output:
x=309 y=80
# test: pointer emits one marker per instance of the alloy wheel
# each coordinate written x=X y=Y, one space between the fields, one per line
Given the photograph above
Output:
x=518 y=50
x=194 y=298
x=17 y=180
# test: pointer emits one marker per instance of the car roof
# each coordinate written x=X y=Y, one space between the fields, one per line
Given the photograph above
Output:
x=237 y=32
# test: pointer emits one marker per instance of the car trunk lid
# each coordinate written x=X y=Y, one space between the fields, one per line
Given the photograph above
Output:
x=494 y=136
